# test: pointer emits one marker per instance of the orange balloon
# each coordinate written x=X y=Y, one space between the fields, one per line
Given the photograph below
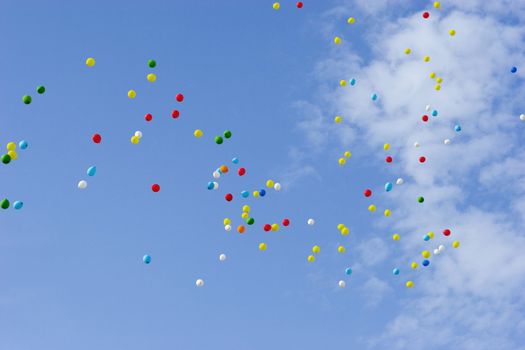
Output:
x=241 y=229
x=224 y=169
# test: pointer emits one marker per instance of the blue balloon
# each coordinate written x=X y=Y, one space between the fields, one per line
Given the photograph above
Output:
x=434 y=113
x=457 y=128
x=235 y=160
x=395 y=271
x=262 y=193
x=23 y=144
x=373 y=97
x=513 y=69
x=348 y=271
x=388 y=187
x=425 y=262
x=210 y=185
x=426 y=237
x=245 y=194
x=353 y=81
x=146 y=258
x=92 y=170
x=18 y=205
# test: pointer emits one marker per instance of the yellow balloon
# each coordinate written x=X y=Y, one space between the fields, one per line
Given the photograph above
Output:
x=11 y=146
x=244 y=215
x=372 y=208
x=452 y=32
x=396 y=237
x=347 y=154
x=345 y=231
x=455 y=244
x=246 y=208
x=413 y=265
x=151 y=77
x=13 y=155
x=262 y=246
x=351 y=20
x=270 y=184
x=341 y=249
x=432 y=75
x=426 y=58
x=275 y=227
x=407 y=51
x=134 y=139
x=276 y=5
x=316 y=249
x=437 y=4
x=342 y=161
x=340 y=227
x=311 y=258
x=256 y=194
x=337 y=40
x=430 y=234
x=198 y=133
x=439 y=80
x=426 y=254
x=437 y=87
x=90 y=62
x=342 y=82
x=338 y=119
x=410 y=284
x=386 y=146
x=388 y=212
x=226 y=221
x=132 y=94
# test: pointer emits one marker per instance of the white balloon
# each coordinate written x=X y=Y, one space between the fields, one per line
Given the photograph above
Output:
x=228 y=228
x=138 y=134
x=416 y=144
x=436 y=251
x=441 y=248
x=342 y=284
x=400 y=181
x=216 y=174
x=427 y=108
x=199 y=283
x=215 y=185
x=277 y=186
x=82 y=184
x=311 y=222
x=447 y=141
x=522 y=117
x=222 y=257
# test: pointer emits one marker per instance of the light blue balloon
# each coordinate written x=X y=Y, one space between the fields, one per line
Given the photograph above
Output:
x=388 y=187
x=18 y=205
x=348 y=271
x=426 y=237
x=92 y=170
x=353 y=81
x=245 y=194
x=374 y=97
x=457 y=128
x=395 y=271
x=434 y=113
x=23 y=144
x=146 y=258
x=210 y=185
x=235 y=160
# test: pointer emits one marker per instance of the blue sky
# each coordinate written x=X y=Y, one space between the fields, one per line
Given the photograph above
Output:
x=71 y=265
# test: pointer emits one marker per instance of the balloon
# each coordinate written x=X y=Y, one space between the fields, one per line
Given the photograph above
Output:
x=447 y=141
x=228 y=197
x=396 y=237
x=410 y=284
x=386 y=146
x=400 y=181
x=342 y=161
x=427 y=108
x=235 y=160
x=347 y=154
x=388 y=212
x=146 y=259
x=6 y=158
x=246 y=208
x=218 y=140
x=26 y=99
x=432 y=75
x=388 y=186
x=151 y=77
x=299 y=5
x=138 y=134
x=513 y=70
x=342 y=284
x=455 y=244
x=439 y=80
x=275 y=227
x=82 y=184
x=311 y=258
x=256 y=194
x=267 y=227
x=372 y=208
x=407 y=51
x=96 y=138
x=342 y=83
x=245 y=215
x=23 y=144
x=18 y=205
x=413 y=265
x=13 y=155
x=90 y=62
x=437 y=4
x=348 y=271
x=148 y=117
x=316 y=249
x=199 y=283
x=175 y=114
x=425 y=254
x=227 y=134
x=152 y=63
x=345 y=231
x=155 y=187
x=262 y=193
x=441 y=248
x=270 y=183
x=241 y=229
x=222 y=257
x=92 y=170
x=338 y=119
x=277 y=186
x=134 y=140
x=395 y=271
x=422 y=159
x=341 y=249
x=351 y=20
x=224 y=169
x=457 y=128
x=436 y=252
x=420 y=199
x=228 y=228
x=426 y=58
x=353 y=81
x=424 y=118
x=5 y=203
x=340 y=227
x=179 y=97
x=426 y=238
x=227 y=221
x=276 y=5
x=40 y=89
x=245 y=194
x=250 y=221
x=425 y=262
x=389 y=159
x=132 y=94
x=262 y=246
x=426 y=15
x=416 y=144
x=437 y=87
x=311 y=222
x=374 y=97
x=337 y=40
x=367 y=192
x=197 y=133
x=286 y=222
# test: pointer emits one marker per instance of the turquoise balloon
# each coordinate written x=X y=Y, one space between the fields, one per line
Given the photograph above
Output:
x=23 y=144
x=146 y=258
x=92 y=170
x=18 y=205
x=395 y=272
x=388 y=187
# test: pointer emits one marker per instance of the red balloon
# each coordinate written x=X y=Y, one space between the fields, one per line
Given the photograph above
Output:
x=446 y=232
x=228 y=197
x=155 y=188
x=422 y=159
x=242 y=171
x=175 y=114
x=267 y=227
x=179 y=97
x=388 y=159
x=368 y=192
x=148 y=117
x=299 y=5
x=96 y=138
x=425 y=118
x=426 y=15
x=286 y=222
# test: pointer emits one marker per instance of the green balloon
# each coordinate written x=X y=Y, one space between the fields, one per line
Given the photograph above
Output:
x=6 y=158
x=420 y=199
x=5 y=203
x=26 y=99
x=152 y=63
x=250 y=221
x=218 y=140
x=40 y=89
x=227 y=134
